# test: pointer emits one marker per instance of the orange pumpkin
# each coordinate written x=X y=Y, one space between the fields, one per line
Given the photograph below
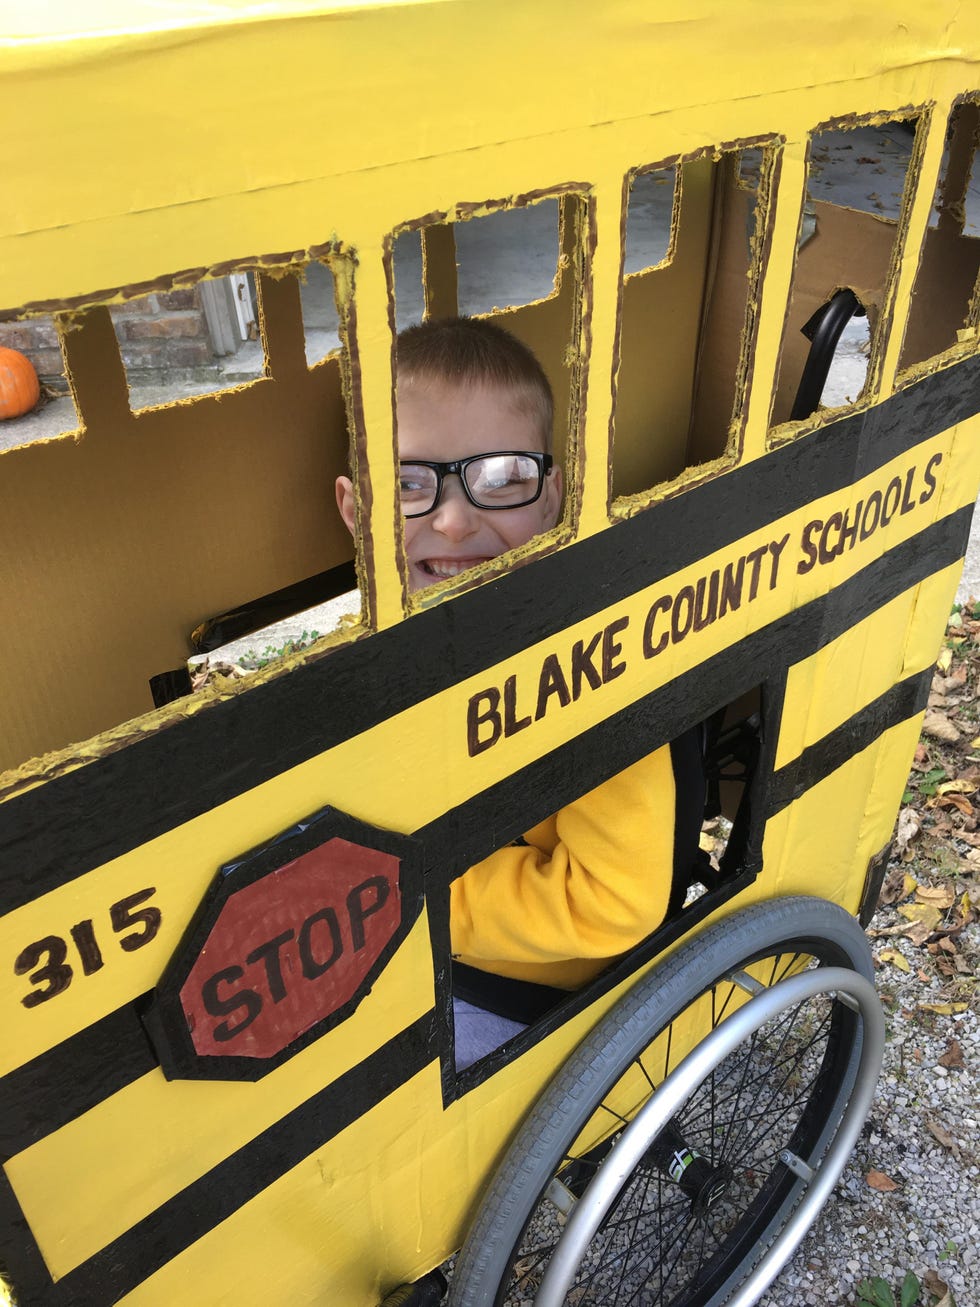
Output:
x=19 y=387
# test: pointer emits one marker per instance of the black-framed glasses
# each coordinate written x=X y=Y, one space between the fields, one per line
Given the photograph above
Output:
x=504 y=479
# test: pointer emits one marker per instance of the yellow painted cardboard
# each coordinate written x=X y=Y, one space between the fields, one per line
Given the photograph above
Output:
x=156 y=149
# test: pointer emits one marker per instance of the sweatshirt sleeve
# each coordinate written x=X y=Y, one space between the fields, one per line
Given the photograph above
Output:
x=593 y=880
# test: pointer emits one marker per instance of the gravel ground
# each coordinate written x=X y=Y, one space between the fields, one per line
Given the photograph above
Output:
x=931 y=1220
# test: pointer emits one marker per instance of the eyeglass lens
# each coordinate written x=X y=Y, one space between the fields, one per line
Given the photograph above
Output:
x=493 y=481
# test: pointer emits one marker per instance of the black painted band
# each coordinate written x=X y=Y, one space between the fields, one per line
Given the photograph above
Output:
x=826 y=755
x=67 y=1080
x=54 y=1088
x=76 y=822
x=125 y=1263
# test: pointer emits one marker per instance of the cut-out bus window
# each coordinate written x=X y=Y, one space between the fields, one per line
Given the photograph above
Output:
x=653 y=199
x=54 y=413
x=475 y=266
x=321 y=324
x=191 y=340
x=408 y=279
x=944 y=301
x=697 y=848
x=212 y=516
x=686 y=326
x=511 y=244
x=507 y=258
x=856 y=183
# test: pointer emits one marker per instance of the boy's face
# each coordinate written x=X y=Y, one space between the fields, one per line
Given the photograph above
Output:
x=442 y=422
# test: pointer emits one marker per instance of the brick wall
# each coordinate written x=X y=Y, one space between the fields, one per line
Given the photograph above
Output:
x=163 y=333
x=160 y=337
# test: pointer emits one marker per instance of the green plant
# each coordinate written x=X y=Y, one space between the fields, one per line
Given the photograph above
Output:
x=254 y=661
x=876 y=1292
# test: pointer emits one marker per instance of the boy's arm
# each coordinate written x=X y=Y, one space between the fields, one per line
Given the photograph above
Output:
x=599 y=887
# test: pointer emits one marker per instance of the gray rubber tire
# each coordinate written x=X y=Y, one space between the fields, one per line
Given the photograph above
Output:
x=781 y=929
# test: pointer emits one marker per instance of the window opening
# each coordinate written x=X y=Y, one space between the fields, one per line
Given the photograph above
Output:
x=498 y=271
x=507 y=258
x=408 y=279
x=321 y=324
x=191 y=340
x=37 y=394
x=945 y=297
x=169 y=513
x=654 y=198
x=857 y=181
x=706 y=840
x=687 y=321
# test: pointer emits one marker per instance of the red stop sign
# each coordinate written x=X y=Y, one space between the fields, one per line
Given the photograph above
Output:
x=288 y=950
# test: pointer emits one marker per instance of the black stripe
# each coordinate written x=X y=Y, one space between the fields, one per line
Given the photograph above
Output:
x=494 y=817
x=21 y=1258
x=52 y=1089
x=122 y=1265
x=820 y=759
x=75 y=822
x=74 y=1075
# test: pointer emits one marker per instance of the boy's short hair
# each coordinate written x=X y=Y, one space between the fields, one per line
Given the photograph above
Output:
x=475 y=352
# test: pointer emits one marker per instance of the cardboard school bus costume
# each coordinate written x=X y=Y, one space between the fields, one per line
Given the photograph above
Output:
x=225 y=972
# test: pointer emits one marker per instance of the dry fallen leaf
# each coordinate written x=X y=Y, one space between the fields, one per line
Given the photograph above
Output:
x=878 y=1180
x=945 y=659
x=943 y=1009
x=893 y=887
x=958 y=801
x=940 y=728
x=953 y=1055
x=926 y=914
x=918 y=933
x=940 y=1133
x=908 y=827
x=939 y=896
x=937 y=1287
x=959 y=786
x=893 y=956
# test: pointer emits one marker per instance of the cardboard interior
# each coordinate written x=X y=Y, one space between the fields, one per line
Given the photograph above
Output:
x=226 y=497
x=683 y=332
x=848 y=249
x=545 y=325
x=144 y=524
x=946 y=280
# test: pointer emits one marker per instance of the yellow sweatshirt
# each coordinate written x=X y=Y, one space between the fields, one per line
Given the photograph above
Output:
x=592 y=882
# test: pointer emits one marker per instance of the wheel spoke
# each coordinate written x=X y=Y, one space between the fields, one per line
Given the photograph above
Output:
x=689 y=1241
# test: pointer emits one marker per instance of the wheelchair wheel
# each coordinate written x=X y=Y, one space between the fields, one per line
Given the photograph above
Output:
x=684 y=1149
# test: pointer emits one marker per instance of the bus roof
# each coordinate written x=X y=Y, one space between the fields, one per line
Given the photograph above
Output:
x=126 y=108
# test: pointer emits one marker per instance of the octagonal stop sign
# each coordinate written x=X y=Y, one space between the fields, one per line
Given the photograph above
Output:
x=287 y=943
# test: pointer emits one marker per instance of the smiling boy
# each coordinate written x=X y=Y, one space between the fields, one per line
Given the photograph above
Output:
x=466 y=388
x=475 y=414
